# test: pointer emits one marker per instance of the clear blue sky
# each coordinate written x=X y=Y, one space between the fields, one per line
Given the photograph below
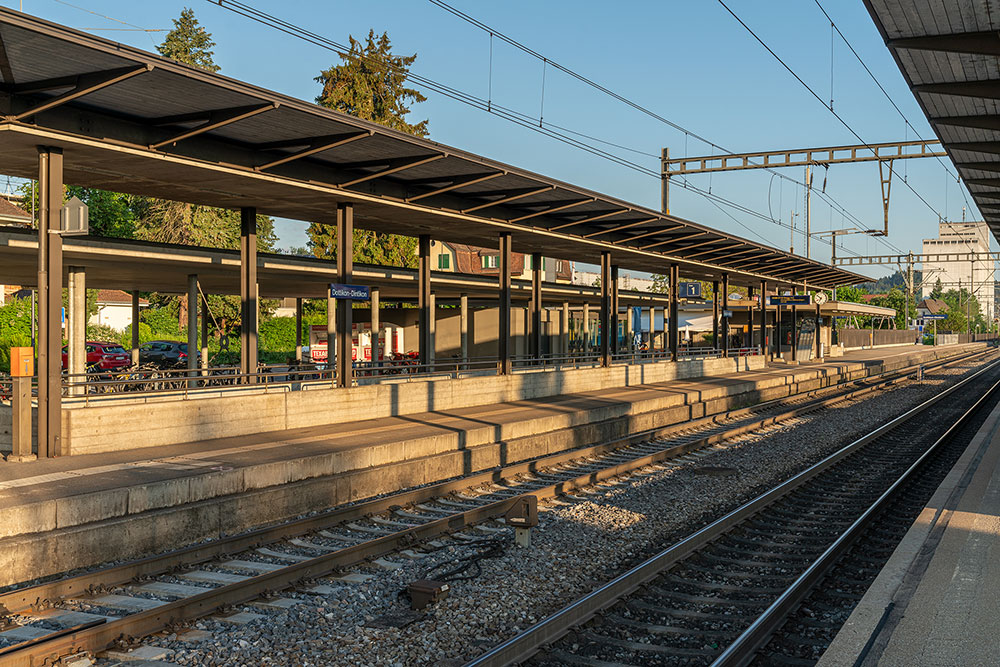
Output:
x=689 y=61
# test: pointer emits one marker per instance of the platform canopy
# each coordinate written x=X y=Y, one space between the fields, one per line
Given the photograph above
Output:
x=948 y=53
x=134 y=122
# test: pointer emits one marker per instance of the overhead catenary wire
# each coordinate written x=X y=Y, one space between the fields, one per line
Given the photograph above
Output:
x=493 y=31
x=511 y=115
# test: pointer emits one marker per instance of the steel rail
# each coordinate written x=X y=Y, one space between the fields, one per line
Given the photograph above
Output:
x=100 y=636
x=523 y=646
x=744 y=648
x=19 y=600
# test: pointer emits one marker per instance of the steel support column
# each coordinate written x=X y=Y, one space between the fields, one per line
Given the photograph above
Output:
x=423 y=298
x=795 y=330
x=376 y=325
x=673 y=328
x=564 y=330
x=606 y=305
x=715 y=315
x=536 y=305
x=192 y=322
x=613 y=331
x=50 y=193
x=763 y=317
x=432 y=328
x=749 y=341
x=298 y=330
x=463 y=328
x=819 y=338
x=249 y=305
x=585 y=337
x=135 y=328
x=345 y=273
x=205 y=315
x=331 y=335
x=76 y=329
x=503 y=315
x=725 y=320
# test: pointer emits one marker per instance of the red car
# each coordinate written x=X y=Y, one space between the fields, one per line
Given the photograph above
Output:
x=107 y=356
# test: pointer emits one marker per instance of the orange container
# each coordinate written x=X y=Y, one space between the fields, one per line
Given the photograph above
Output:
x=22 y=361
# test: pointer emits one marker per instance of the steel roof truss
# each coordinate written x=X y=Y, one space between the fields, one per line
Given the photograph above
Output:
x=84 y=84
x=984 y=43
x=553 y=209
x=653 y=232
x=619 y=228
x=507 y=198
x=978 y=121
x=682 y=237
x=216 y=119
x=726 y=263
x=458 y=183
x=584 y=221
x=989 y=88
x=711 y=250
x=396 y=166
x=316 y=145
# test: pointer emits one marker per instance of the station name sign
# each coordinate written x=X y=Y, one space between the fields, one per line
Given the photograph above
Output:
x=789 y=300
x=938 y=316
x=351 y=292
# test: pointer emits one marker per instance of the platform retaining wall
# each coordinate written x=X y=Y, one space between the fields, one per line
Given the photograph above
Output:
x=90 y=429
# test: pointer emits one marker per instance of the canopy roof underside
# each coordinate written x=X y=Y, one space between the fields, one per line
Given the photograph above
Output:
x=130 y=121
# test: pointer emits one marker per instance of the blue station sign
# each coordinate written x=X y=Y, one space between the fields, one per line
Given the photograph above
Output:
x=689 y=290
x=351 y=292
x=789 y=300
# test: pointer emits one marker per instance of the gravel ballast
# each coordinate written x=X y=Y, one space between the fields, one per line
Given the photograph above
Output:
x=581 y=542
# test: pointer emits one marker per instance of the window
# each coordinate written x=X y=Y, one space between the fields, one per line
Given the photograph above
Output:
x=490 y=261
x=444 y=261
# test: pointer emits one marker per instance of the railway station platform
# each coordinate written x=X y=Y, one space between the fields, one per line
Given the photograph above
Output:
x=936 y=602
x=74 y=511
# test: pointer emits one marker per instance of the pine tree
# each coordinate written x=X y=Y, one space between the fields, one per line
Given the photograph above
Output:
x=189 y=43
x=370 y=83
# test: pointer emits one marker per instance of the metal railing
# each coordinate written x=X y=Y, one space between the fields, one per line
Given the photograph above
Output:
x=148 y=380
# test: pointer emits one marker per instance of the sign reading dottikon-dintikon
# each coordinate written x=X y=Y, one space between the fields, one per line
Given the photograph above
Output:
x=352 y=292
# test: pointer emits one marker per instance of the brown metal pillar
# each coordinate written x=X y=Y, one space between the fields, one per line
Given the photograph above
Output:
x=673 y=329
x=424 y=341
x=345 y=273
x=725 y=320
x=50 y=192
x=613 y=331
x=192 y=322
x=819 y=338
x=135 y=328
x=749 y=341
x=606 y=303
x=248 y=293
x=715 y=314
x=298 y=329
x=503 y=315
x=536 y=305
x=763 y=317
x=204 y=330
x=376 y=322
x=795 y=329
x=463 y=327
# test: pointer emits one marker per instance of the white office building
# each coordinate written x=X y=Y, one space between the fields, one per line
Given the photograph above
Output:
x=961 y=237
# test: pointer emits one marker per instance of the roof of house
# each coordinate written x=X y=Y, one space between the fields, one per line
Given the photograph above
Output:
x=116 y=297
x=11 y=213
x=933 y=306
x=868 y=298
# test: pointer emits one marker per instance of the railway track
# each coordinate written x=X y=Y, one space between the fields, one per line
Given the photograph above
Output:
x=719 y=596
x=96 y=610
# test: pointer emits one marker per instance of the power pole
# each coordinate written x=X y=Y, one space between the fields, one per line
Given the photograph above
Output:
x=664 y=182
x=809 y=187
x=909 y=290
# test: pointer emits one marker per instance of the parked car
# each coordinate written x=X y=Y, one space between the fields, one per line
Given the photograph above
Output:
x=164 y=353
x=103 y=356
